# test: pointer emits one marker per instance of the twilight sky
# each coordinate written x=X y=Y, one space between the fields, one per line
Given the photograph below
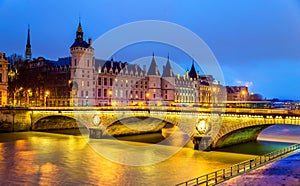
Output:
x=255 y=42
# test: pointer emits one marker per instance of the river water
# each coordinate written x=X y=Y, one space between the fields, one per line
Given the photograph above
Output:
x=39 y=158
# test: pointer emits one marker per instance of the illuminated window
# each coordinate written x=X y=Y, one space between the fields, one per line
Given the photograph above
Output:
x=82 y=83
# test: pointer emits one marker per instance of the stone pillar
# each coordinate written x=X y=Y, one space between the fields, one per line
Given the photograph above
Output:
x=202 y=143
x=96 y=133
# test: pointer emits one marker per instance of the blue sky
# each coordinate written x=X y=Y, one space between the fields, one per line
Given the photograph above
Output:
x=254 y=41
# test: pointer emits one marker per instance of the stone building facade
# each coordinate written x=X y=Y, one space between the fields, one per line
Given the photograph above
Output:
x=3 y=79
x=82 y=80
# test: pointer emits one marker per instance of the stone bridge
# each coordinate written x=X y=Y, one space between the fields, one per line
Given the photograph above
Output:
x=209 y=128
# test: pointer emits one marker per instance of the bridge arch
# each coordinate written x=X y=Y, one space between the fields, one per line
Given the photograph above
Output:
x=56 y=122
x=246 y=131
x=241 y=135
x=136 y=125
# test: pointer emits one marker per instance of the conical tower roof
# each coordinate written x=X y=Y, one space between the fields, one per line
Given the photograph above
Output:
x=167 y=71
x=152 y=68
x=193 y=74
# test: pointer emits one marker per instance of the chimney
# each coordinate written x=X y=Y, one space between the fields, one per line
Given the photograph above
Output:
x=144 y=67
x=156 y=70
x=90 y=41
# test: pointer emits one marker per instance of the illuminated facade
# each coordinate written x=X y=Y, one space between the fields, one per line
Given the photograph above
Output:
x=82 y=71
x=3 y=79
x=82 y=80
x=120 y=83
x=237 y=93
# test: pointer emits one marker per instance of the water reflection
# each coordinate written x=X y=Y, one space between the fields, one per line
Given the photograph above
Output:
x=35 y=158
x=54 y=159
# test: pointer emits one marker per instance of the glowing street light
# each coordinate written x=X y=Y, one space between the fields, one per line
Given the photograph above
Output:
x=29 y=93
x=17 y=91
x=147 y=97
x=243 y=92
x=110 y=95
x=47 y=94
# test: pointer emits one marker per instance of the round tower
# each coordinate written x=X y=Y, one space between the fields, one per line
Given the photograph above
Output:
x=82 y=70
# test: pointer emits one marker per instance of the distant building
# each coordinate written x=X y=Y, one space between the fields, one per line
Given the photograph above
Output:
x=3 y=79
x=237 y=93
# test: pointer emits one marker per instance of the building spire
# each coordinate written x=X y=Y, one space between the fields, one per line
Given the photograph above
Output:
x=79 y=32
x=28 y=45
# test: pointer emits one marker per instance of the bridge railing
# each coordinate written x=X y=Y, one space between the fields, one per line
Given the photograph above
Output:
x=262 y=111
x=221 y=175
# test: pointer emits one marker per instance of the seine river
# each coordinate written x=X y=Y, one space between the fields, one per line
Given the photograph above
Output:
x=39 y=158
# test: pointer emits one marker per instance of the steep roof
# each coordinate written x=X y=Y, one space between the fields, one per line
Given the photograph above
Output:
x=167 y=70
x=193 y=73
x=79 y=42
x=117 y=65
x=152 y=68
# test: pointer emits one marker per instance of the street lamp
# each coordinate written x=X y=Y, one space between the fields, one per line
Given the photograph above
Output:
x=109 y=94
x=29 y=93
x=243 y=94
x=147 y=97
x=17 y=91
x=47 y=94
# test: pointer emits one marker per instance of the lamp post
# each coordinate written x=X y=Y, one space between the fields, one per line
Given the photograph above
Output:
x=109 y=94
x=147 y=98
x=47 y=93
x=243 y=94
x=17 y=91
x=29 y=93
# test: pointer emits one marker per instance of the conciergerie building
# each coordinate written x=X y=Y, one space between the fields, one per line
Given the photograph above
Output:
x=82 y=80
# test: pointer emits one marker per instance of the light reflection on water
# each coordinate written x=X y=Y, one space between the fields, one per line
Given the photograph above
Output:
x=55 y=159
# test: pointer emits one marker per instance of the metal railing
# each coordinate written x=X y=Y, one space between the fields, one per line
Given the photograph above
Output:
x=219 y=176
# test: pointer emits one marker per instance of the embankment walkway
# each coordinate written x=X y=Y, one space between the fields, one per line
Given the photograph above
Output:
x=282 y=172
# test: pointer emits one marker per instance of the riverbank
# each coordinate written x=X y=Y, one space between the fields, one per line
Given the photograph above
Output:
x=282 y=172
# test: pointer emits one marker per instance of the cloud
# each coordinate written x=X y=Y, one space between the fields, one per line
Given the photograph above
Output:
x=244 y=83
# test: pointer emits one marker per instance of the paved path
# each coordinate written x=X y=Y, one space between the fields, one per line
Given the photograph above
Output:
x=284 y=172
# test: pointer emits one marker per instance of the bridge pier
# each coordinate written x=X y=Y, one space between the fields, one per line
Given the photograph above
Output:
x=96 y=133
x=202 y=143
